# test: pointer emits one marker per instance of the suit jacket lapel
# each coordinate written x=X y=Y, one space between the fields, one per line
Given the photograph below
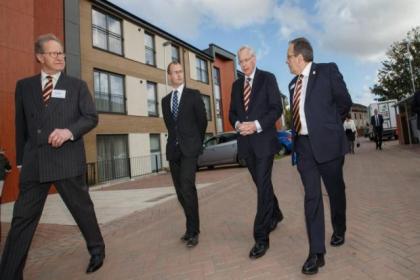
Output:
x=311 y=81
x=167 y=107
x=53 y=102
x=184 y=96
x=256 y=85
x=36 y=93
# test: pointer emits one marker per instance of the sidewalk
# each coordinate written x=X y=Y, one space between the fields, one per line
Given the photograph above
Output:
x=383 y=238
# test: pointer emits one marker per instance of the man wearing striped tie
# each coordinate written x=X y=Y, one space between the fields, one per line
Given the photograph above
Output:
x=320 y=102
x=254 y=109
x=53 y=112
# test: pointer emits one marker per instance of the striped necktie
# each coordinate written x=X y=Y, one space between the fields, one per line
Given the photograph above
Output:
x=247 y=93
x=47 y=91
x=296 y=104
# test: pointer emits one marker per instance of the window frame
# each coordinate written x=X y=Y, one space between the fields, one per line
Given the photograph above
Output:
x=124 y=99
x=155 y=101
x=107 y=32
x=152 y=49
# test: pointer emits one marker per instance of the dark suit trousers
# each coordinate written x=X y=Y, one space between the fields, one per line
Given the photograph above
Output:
x=378 y=136
x=27 y=212
x=183 y=175
x=268 y=209
x=311 y=173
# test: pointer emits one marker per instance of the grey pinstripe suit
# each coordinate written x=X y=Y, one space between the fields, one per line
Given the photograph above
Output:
x=43 y=165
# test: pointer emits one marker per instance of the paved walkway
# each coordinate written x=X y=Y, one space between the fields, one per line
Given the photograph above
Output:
x=383 y=239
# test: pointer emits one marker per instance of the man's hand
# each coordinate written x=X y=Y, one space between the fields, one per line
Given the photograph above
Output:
x=247 y=128
x=59 y=136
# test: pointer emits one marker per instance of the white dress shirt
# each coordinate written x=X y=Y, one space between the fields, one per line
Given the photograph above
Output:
x=44 y=79
x=304 y=126
x=251 y=81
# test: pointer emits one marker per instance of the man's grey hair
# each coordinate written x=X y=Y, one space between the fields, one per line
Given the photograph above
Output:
x=302 y=46
x=41 y=40
x=246 y=47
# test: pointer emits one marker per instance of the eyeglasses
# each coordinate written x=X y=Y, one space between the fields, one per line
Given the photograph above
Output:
x=55 y=54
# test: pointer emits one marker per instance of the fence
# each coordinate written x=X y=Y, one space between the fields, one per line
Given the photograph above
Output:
x=108 y=170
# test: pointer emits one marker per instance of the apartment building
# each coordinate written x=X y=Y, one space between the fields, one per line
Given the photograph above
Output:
x=124 y=60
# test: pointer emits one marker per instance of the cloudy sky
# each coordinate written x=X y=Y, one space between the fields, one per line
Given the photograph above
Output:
x=353 y=33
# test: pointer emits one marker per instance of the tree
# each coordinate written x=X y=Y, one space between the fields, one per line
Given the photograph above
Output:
x=394 y=77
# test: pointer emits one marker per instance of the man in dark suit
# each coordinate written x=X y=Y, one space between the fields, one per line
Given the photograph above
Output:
x=320 y=102
x=53 y=112
x=185 y=118
x=254 y=109
x=377 y=122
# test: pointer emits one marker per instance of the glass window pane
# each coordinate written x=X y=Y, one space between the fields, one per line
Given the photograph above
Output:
x=116 y=85
x=99 y=38
x=150 y=57
x=104 y=83
x=98 y=19
x=154 y=143
x=114 y=25
x=96 y=81
x=151 y=99
x=148 y=41
x=175 y=53
x=115 y=45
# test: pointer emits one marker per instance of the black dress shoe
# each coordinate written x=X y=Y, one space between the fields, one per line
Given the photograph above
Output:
x=274 y=223
x=185 y=237
x=192 y=241
x=312 y=263
x=337 y=240
x=258 y=250
x=95 y=262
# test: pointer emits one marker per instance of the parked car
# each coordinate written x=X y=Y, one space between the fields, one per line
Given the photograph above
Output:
x=285 y=139
x=220 y=149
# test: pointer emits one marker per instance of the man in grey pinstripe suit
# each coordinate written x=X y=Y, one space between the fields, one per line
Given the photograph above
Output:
x=53 y=112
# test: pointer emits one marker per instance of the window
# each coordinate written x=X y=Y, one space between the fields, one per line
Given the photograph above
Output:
x=109 y=92
x=152 y=104
x=106 y=32
x=113 y=161
x=202 y=73
x=206 y=100
x=175 y=54
x=149 y=43
x=155 y=153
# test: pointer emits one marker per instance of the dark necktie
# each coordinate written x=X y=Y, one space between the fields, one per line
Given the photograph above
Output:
x=175 y=104
x=47 y=91
x=296 y=104
x=247 y=93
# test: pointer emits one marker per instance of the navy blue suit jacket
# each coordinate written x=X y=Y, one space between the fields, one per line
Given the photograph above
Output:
x=327 y=104
x=265 y=106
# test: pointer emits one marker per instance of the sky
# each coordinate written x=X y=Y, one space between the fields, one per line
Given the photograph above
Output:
x=355 y=34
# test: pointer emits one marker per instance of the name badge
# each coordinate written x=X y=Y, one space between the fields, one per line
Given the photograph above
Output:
x=59 y=93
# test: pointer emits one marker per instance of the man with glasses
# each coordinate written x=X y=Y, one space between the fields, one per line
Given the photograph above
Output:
x=53 y=112
x=319 y=102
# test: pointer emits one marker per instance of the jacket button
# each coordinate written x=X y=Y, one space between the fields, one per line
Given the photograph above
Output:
x=39 y=131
